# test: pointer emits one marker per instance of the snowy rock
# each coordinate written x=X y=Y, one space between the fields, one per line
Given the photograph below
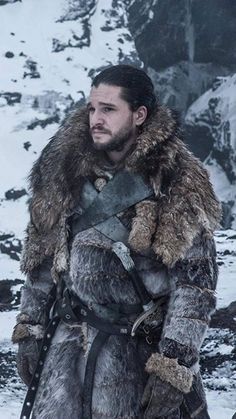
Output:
x=194 y=31
x=11 y=97
x=11 y=247
x=3 y=2
x=211 y=122
x=180 y=85
x=15 y=194
x=10 y=294
x=225 y=318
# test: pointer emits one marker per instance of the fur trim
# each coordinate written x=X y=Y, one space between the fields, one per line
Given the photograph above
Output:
x=22 y=331
x=23 y=318
x=168 y=369
x=143 y=226
x=185 y=201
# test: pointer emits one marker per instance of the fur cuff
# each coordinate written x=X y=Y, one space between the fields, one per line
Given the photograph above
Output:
x=168 y=369
x=22 y=331
x=23 y=318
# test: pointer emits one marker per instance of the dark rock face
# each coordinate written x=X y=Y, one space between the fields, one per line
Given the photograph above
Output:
x=159 y=30
x=3 y=2
x=225 y=318
x=227 y=217
x=9 y=299
x=114 y=19
x=44 y=122
x=199 y=139
x=15 y=194
x=168 y=32
x=11 y=97
x=215 y=31
x=10 y=246
x=9 y=54
x=31 y=70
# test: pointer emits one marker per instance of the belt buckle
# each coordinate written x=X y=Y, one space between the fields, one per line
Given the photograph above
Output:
x=149 y=340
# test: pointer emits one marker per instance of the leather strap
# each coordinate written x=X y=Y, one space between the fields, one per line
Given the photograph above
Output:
x=96 y=347
x=121 y=192
x=31 y=393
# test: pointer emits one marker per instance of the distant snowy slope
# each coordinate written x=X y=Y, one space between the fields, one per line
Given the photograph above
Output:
x=212 y=118
x=49 y=53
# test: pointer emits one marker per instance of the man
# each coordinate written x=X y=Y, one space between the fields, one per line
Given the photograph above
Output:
x=127 y=327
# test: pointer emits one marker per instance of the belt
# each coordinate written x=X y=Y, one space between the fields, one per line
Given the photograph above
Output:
x=71 y=310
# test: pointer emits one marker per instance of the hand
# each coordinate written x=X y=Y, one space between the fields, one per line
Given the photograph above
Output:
x=27 y=358
x=160 y=398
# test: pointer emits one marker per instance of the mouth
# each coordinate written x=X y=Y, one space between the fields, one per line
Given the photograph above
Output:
x=99 y=132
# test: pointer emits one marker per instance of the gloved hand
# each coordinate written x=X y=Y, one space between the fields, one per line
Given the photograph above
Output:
x=27 y=358
x=160 y=398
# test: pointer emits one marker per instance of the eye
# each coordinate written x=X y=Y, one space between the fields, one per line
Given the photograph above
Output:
x=107 y=109
x=91 y=109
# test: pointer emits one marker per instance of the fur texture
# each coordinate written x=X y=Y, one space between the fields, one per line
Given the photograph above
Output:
x=168 y=369
x=22 y=331
x=143 y=225
x=186 y=203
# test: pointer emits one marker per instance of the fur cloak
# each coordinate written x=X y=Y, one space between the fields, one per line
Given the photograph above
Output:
x=177 y=222
x=185 y=203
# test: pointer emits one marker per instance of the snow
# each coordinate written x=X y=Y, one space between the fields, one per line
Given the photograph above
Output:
x=220 y=404
x=8 y=320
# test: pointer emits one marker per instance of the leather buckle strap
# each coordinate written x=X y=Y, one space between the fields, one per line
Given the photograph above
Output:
x=71 y=313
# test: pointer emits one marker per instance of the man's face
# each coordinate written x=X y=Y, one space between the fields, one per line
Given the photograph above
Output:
x=111 y=121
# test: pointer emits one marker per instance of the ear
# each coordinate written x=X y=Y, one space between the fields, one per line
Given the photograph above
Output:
x=140 y=115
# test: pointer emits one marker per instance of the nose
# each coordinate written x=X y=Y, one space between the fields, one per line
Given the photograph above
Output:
x=96 y=118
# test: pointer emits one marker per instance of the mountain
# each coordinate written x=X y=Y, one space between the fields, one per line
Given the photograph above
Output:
x=49 y=53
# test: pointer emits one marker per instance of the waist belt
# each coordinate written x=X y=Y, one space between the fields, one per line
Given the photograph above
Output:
x=71 y=310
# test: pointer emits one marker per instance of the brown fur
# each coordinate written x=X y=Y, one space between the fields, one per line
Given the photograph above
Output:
x=168 y=369
x=185 y=201
x=22 y=331
x=143 y=225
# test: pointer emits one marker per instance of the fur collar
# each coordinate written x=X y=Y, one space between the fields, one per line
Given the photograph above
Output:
x=185 y=200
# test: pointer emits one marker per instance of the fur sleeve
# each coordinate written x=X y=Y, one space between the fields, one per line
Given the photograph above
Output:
x=34 y=293
x=192 y=302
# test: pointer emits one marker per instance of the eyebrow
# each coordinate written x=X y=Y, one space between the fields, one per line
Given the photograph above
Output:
x=103 y=104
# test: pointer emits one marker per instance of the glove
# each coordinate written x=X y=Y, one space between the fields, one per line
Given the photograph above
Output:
x=166 y=386
x=27 y=358
x=160 y=398
x=29 y=338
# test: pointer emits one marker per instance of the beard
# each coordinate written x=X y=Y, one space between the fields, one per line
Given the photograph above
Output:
x=117 y=141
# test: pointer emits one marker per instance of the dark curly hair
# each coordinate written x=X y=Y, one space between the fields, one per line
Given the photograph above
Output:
x=137 y=87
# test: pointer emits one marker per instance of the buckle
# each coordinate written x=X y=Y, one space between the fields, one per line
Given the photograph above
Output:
x=146 y=329
x=149 y=340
